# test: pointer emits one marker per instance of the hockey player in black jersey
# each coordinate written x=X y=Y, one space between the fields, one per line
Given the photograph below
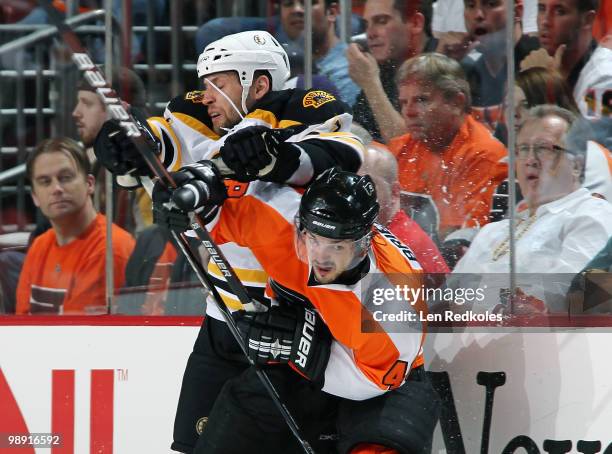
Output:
x=260 y=132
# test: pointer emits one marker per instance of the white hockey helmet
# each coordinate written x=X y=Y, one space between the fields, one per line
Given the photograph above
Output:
x=245 y=53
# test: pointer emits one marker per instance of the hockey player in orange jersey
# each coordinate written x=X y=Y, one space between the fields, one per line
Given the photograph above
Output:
x=347 y=363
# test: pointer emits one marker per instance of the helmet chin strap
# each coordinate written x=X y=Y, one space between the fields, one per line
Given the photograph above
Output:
x=245 y=91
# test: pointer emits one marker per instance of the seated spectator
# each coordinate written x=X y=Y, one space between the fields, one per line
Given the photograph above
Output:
x=11 y=263
x=562 y=226
x=287 y=27
x=328 y=52
x=537 y=86
x=381 y=166
x=64 y=270
x=568 y=46
x=395 y=30
x=485 y=67
x=132 y=212
x=446 y=154
x=448 y=26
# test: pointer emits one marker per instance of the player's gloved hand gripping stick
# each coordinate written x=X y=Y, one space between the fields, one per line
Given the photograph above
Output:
x=134 y=132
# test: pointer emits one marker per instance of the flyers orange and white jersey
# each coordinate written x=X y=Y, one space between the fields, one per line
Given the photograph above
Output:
x=368 y=356
x=320 y=127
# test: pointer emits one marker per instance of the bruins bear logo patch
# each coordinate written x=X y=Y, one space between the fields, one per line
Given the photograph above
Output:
x=200 y=424
x=195 y=96
x=317 y=98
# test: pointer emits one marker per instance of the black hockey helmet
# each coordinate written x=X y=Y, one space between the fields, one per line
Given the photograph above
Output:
x=339 y=205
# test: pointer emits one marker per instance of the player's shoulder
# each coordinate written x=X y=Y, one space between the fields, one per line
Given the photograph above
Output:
x=190 y=104
x=396 y=256
x=305 y=106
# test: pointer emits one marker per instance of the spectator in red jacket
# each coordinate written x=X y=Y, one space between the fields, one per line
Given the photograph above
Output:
x=381 y=165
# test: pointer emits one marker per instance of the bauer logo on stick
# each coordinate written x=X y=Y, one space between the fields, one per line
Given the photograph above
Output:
x=317 y=98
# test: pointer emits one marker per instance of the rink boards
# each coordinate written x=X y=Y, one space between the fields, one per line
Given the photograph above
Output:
x=111 y=385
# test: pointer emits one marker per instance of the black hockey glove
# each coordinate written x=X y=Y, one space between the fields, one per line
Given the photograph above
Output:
x=199 y=188
x=116 y=152
x=165 y=213
x=286 y=334
x=260 y=153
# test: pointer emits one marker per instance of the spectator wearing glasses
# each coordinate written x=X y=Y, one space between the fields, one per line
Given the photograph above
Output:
x=560 y=226
x=537 y=86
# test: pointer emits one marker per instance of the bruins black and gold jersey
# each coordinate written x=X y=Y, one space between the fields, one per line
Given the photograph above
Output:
x=317 y=122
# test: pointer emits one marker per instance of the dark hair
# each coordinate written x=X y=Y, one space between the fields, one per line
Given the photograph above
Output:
x=543 y=86
x=587 y=5
x=263 y=72
x=408 y=7
x=60 y=145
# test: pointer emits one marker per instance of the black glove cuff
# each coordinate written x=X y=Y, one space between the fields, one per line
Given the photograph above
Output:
x=208 y=173
x=312 y=347
x=287 y=163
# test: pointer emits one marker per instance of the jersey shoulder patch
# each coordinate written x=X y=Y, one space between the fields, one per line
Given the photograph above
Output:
x=190 y=104
x=195 y=96
x=317 y=98
x=313 y=107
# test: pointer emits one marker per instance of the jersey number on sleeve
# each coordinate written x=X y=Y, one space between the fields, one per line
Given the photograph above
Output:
x=395 y=376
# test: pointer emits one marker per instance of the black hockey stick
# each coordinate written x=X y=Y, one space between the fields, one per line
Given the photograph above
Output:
x=135 y=132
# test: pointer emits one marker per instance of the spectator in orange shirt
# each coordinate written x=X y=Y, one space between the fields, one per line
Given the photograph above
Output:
x=446 y=154
x=64 y=270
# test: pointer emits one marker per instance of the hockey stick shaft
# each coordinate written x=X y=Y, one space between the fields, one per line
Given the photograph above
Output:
x=134 y=131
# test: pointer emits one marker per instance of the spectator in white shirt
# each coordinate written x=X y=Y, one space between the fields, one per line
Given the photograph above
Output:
x=561 y=226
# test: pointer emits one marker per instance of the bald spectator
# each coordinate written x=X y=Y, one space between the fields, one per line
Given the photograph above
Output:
x=446 y=155
x=395 y=30
x=381 y=165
